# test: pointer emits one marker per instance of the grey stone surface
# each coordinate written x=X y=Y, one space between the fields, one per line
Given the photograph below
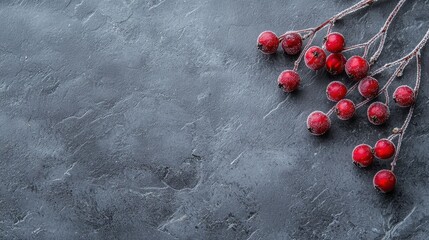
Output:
x=159 y=119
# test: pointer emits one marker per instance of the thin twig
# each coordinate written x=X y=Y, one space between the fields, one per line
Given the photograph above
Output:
x=310 y=40
x=386 y=96
x=393 y=136
x=330 y=27
x=406 y=58
x=377 y=53
x=383 y=31
x=352 y=88
x=419 y=74
x=329 y=113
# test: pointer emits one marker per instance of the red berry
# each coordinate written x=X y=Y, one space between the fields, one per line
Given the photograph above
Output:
x=315 y=58
x=384 y=149
x=335 y=63
x=318 y=123
x=368 y=87
x=384 y=180
x=289 y=80
x=292 y=43
x=335 y=91
x=268 y=42
x=345 y=109
x=404 y=96
x=357 y=67
x=335 y=42
x=378 y=113
x=362 y=155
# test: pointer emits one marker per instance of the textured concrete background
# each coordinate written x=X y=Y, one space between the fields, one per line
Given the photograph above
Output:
x=159 y=119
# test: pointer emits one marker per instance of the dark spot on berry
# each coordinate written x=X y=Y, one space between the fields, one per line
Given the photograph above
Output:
x=316 y=54
x=374 y=119
x=259 y=46
x=280 y=85
x=357 y=164
x=310 y=130
x=378 y=189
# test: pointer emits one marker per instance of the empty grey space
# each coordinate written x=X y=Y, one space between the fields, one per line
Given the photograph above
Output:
x=159 y=119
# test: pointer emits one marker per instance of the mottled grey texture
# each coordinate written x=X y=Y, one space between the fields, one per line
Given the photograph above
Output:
x=159 y=119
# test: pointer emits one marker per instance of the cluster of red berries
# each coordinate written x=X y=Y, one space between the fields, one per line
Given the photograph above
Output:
x=363 y=155
x=357 y=69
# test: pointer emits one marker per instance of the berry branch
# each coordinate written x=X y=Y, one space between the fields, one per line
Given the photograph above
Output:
x=382 y=34
x=404 y=96
x=311 y=32
x=404 y=127
x=402 y=62
x=357 y=68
